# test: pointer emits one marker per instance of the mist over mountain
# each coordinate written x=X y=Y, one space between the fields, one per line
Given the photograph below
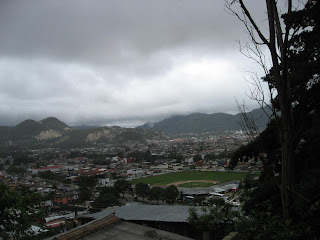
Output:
x=51 y=132
x=201 y=122
x=84 y=127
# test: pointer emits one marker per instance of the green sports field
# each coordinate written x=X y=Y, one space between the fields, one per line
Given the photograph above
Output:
x=196 y=184
x=189 y=176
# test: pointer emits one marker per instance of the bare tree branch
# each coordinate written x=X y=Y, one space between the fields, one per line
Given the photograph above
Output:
x=265 y=41
x=243 y=19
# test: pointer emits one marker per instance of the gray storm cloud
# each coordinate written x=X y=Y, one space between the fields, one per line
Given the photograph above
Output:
x=118 y=62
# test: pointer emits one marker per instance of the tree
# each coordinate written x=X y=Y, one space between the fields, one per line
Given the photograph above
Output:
x=122 y=186
x=111 y=190
x=120 y=154
x=138 y=155
x=175 y=155
x=49 y=175
x=142 y=190
x=17 y=212
x=155 y=194
x=101 y=162
x=218 y=218
x=85 y=194
x=86 y=183
x=266 y=226
x=197 y=157
x=284 y=42
x=267 y=142
x=108 y=196
x=198 y=200
x=16 y=170
x=170 y=194
x=22 y=158
x=261 y=211
x=148 y=156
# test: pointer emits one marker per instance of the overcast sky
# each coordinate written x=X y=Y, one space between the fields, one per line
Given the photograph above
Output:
x=120 y=62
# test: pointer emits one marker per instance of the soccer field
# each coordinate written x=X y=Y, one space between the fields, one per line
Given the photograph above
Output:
x=191 y=176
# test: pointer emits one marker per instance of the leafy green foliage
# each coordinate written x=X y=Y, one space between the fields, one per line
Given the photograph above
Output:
x=101 y=162
x=105 y=200
x=211 y=156
x=141 y=156
x=268 y=142
x=16 y=170
x=86 y=181
x=49 y=175
x=218 y=217
x=197 y=158
x=261 y=197
x=22 y=158
x=306 y=202
x=303 y=72
x=155 y=193
x=198 y=200
x=265 y=226
x=85 y=194
x=142 y=190
x=111 y=190
x=263 y=210
x=170 y=194
x=17 y=212
x=122 y=186
x=175 y=155
x=108 y=197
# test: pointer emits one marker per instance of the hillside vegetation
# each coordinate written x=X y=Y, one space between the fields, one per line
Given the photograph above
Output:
x=201 y=122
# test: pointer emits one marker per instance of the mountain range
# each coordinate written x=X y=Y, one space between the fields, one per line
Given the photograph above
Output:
x=202 y=123
x=51 y=132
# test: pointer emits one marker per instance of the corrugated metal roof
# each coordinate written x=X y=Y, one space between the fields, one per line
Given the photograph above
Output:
x=143 y=212
x=129 y=231
x=89 y=228
x=111 y=228
x=196 y=191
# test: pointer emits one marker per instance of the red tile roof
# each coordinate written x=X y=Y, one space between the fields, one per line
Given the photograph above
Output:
x=92 y=171
x=50 y=167
x=55 y=223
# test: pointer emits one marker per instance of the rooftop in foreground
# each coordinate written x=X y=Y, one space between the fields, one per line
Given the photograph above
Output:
x=112 y=227
x=143 y=212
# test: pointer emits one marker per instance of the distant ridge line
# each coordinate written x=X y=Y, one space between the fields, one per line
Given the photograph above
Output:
x=202 y=122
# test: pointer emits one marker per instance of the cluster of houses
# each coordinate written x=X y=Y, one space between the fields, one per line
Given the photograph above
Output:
x=63 y=190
